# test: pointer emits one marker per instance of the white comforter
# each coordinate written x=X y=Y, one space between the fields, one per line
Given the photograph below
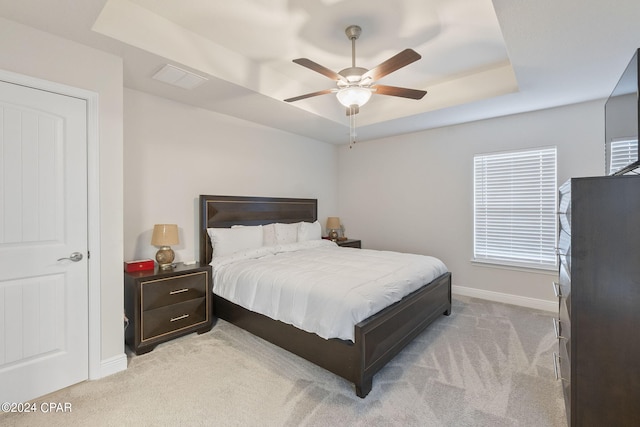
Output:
x=318 y=286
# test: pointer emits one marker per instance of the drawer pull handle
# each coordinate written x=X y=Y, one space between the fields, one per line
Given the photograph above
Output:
x=184 y=316
x=559 y=252
x=556 y=289
x=556 y=357
x=179 y=291
x=555 y=329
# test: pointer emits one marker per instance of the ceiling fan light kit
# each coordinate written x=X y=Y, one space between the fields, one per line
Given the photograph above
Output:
x=355 y=85
x=354 y=95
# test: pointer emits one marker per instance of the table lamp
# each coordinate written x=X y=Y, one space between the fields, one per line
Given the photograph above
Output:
x=333 y=226
x=165 y=235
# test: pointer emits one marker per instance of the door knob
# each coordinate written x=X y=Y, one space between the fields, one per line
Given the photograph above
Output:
x=75 y=257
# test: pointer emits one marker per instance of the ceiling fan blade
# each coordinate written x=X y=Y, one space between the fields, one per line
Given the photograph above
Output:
x=399 y=91
x=392 y=64
x=319 y=69
x=309 y=95
x=353 y=110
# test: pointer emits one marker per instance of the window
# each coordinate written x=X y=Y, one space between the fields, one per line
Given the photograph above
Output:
x=515 y=208
x=623 y=153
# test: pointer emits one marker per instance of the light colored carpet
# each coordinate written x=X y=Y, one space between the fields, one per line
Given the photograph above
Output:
x=488 y=364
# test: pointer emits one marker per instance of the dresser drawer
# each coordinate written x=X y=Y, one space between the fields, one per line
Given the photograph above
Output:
x=564 y=317
x=171 y=290
x=564 y=368
x=564 y=278
x=564 y=199
x=172 y=318
x=564 y=247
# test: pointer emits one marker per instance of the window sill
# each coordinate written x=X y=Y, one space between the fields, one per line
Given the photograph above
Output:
x=505 y=265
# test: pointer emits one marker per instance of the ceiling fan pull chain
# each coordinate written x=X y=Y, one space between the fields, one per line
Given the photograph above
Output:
x=352 y=127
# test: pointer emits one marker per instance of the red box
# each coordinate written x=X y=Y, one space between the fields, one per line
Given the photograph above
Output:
x=139 y=265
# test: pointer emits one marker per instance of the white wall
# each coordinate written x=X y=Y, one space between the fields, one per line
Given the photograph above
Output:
x=414 y=193
x=38 y=54
x=175 y=152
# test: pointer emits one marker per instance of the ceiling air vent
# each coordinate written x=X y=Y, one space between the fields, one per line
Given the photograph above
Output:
x=178 y=77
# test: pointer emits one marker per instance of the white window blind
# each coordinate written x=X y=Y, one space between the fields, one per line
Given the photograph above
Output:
x=515 y=208
x=623 y=153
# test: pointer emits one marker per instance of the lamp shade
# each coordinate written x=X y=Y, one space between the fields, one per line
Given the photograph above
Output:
x=165 y=235
x=353 y=95
x=333 y=223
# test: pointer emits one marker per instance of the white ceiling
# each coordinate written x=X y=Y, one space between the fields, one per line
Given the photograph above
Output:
x=480 y=58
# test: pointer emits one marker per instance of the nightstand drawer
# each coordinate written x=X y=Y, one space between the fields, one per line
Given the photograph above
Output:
x=171 y=290
x=171 y=318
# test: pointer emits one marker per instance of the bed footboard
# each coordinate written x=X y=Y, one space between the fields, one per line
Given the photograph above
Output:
x=338 y=356
x=382 y=336
x=377 y=339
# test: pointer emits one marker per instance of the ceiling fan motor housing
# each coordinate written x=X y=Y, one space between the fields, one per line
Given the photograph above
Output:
x=352 y=74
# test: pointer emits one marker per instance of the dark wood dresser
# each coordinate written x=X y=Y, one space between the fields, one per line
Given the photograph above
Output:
x=164 y=304
x=598 y=359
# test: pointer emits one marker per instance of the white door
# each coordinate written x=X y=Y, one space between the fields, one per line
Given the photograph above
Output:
x=43 y=218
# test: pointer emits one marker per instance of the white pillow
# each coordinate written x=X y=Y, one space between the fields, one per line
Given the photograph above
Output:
x=227 y=241
x=269 y=235
x=286 y=233
x=309 y=231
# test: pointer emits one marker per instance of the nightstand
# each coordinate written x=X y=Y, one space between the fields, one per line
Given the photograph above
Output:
x=164 y=304
x=350 y=243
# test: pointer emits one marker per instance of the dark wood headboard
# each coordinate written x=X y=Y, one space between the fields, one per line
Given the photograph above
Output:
x=225 y=211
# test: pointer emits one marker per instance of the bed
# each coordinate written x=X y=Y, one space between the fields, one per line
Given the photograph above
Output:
x=376 y=339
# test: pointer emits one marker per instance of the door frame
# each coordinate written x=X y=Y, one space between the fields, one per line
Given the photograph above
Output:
x=93 y=205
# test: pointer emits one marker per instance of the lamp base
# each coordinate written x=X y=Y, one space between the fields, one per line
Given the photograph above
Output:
x=165 y=257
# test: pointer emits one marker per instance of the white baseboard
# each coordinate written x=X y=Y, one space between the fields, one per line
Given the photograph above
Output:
x=112 y=365
x=539 y=304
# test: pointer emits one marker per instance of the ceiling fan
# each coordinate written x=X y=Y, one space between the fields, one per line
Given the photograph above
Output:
x=355 y=85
